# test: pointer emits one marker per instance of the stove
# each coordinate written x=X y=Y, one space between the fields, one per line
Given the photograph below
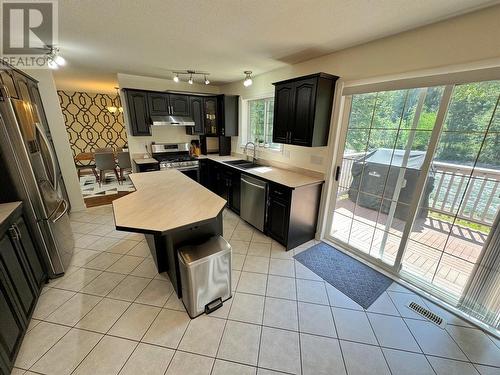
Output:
x=176 y=156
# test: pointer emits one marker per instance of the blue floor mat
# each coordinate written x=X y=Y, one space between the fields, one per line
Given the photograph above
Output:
x=356 y=280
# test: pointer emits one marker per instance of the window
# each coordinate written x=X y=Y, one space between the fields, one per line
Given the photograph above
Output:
x=260 y=123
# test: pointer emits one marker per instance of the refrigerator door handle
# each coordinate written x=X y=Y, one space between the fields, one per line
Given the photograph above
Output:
x=65 y=210
x=41 y=131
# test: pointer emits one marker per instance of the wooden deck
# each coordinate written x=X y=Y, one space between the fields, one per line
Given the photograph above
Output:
x=437 y=251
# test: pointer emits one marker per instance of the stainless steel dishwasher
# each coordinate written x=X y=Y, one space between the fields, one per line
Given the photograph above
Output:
x=253 y=201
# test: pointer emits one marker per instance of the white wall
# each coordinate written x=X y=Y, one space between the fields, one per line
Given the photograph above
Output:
x=159 y=134
x=50 y=100
x=461 y=40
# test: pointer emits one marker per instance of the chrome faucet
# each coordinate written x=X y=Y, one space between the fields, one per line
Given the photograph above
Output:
x=254 y=159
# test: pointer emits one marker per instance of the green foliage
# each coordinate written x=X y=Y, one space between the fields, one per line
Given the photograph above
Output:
x=384 y=119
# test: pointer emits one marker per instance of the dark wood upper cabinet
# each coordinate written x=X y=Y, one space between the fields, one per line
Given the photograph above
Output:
x=228 y=115
x=138 y=112
x=179 y=105
x=196 y=107
x=283 y=105
x=302 y=110
x=158 y=104
x=210 y=115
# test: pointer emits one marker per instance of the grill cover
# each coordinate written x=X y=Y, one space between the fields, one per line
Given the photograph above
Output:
x=369 y=188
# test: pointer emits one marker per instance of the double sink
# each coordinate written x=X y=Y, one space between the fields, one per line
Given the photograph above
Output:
x=243 y=164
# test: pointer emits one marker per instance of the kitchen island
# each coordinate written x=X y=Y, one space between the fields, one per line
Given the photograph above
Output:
x=172 y=210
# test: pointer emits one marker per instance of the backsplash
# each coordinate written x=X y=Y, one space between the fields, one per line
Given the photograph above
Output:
x=88 y=122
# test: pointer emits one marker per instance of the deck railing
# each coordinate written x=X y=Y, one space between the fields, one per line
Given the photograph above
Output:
x=470 y=193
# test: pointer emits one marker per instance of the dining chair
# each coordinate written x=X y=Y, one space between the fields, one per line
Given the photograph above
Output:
x=105 y=161
x=123 y=158
x=104 y=149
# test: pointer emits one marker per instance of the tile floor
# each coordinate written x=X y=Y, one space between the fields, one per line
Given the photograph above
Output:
x=113 y=314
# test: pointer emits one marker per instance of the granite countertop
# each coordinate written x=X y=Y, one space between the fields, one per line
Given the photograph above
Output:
x=165 y=201
x=145 y=161
x=6 y=209
x=274 y=174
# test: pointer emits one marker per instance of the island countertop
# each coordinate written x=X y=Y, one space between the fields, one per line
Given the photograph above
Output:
x=165 y=201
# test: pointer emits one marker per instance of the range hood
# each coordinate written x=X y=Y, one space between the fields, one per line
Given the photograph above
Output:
x=171 y=120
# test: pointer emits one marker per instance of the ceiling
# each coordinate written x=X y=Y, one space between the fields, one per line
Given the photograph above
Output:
x=225 y=37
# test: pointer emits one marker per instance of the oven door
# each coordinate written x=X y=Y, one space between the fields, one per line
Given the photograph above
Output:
x=191 y=172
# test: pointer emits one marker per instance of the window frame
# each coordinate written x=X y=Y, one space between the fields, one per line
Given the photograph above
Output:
x=267 y=98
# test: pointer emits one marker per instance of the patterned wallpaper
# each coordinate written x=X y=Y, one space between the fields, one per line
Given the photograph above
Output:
x=89 y=124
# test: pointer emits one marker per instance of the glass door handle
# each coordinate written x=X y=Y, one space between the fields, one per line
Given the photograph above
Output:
x=48 y=146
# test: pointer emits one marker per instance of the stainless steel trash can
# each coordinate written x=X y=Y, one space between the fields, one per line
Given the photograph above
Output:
x=205 y=275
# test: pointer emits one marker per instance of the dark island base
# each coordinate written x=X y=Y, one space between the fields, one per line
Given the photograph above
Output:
x=164 y=247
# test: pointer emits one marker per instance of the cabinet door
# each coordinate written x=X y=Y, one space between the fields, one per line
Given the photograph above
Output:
x=179 y=105
x=236 y=192
x=196 y=105
x=17 y=273
x=158 y=104
x=210 y=115
x=283 y=112
x=138 y=113
x=204 y=173
x=11 y=324
x=303 y=119
x=30 y=253
x=8 y=81
x=277 y=220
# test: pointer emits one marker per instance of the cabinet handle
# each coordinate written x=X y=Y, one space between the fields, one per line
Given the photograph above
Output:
x=13 y=233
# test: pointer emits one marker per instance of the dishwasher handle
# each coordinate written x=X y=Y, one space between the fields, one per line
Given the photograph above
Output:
x=263 y=187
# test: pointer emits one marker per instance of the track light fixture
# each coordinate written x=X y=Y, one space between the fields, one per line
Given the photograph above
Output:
x=191 y=74
x=54 y=59
x=248 y=79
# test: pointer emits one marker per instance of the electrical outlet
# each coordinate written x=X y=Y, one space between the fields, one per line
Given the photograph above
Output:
x=315 y=159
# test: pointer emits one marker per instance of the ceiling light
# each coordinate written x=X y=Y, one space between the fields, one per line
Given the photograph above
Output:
x=113 y=108
x=52 y=64
x=192 y=74
x=59 y=60
x=248 y=80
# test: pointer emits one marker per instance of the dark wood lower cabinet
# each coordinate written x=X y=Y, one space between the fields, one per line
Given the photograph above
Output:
x=291 y=215
x=22 y=275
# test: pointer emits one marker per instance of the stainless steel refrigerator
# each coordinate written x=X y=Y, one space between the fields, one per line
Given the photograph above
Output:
x=32 y=171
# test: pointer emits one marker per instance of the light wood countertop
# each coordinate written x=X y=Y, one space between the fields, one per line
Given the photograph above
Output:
x=274 y=174
x=164 y=201
x=145 y=161
x=6 y=209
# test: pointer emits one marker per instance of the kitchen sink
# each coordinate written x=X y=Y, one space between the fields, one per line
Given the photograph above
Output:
x=243 y=164
x=236 y=162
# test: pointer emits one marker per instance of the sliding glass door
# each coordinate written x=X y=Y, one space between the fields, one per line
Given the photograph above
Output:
x=418 y=181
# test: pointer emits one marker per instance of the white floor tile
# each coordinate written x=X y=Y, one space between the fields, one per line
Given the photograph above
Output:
x=434 y=340
x=148 y=359
x=339 y=299
x=239 y=247
x=126 y=264
x=67 y=354
x=353 y=325
x=321 y=356
x=247 y=308
x=316 y=320
x=476 y=345
x=129 y=288
x=259 y=249
x=281 y=313
x=102 y=317
x=253 y=283
x=256 y=264
x=74 y=309
x=383 y=305
x=405 y=363
x=103 y=284
x=167 y=329
x=391 y=332
x=311 y=291
x=203 y=336
x=444 y=366
x=229 y=368
x=362 y=359
x=240 y=343
x=279 y=350
x=134 y=322
x=282 y=267
x=281 y=287
x=107 y=357
x=192 y=364
x=156 y=293
x=50 y=301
